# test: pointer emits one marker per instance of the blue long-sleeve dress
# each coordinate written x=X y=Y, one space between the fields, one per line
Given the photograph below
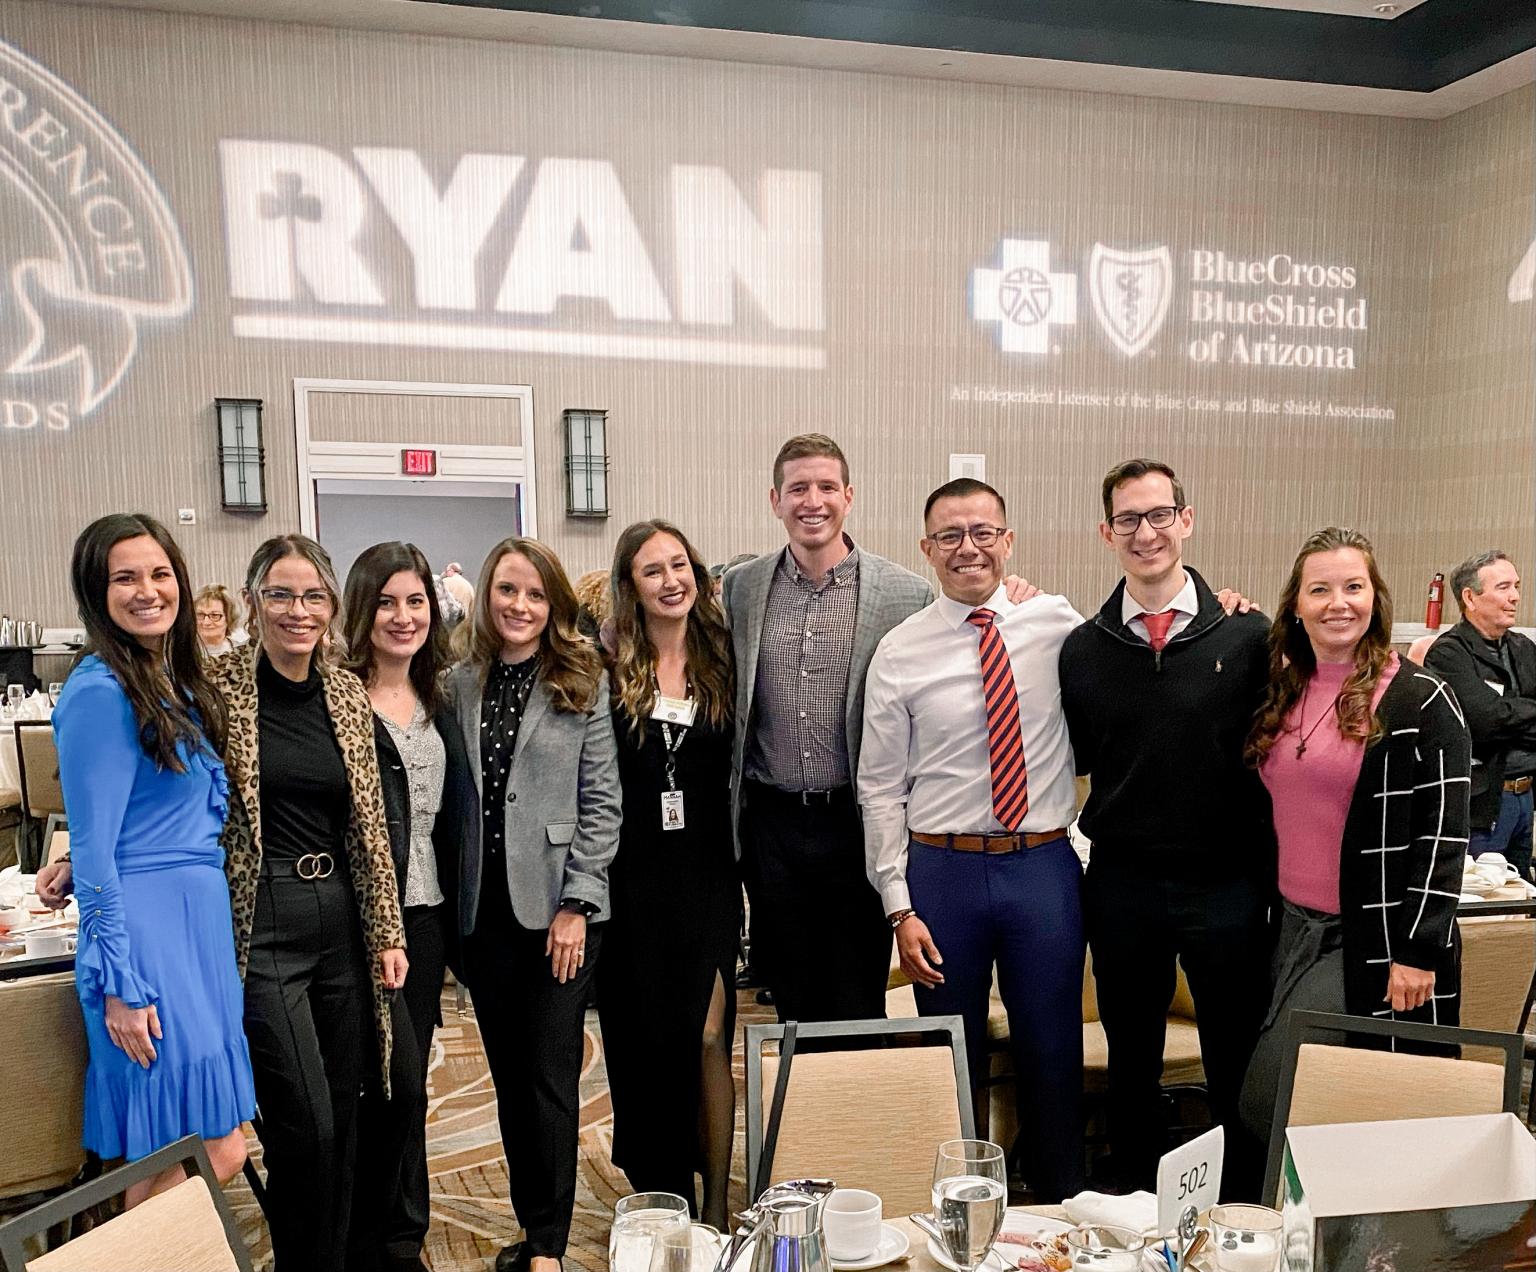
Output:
x=155 y=925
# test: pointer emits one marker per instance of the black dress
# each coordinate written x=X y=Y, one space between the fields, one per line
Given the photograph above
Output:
x=676 y=901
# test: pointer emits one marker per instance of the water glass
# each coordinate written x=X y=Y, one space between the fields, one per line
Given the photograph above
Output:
x=1246 y=1238
x=1097 y=1247
x=55 y=688
x=970 y=1193
x=637 y=1222
x=15 y=695
x=695 y=1248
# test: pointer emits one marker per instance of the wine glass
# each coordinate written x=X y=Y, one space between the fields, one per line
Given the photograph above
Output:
x=970 y=1193
x=695 y=1248
x=15 y=694
x=638 y=1220
x=55 y=688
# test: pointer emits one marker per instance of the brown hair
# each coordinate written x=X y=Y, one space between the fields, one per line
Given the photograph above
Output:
x=164 y=720
x=807 y=446
x=710 y=665
x=571 y=666
x=217 y=592
x=1292 y=660
x=366 y=581
x=592 y=595
x=279 y=548
x=1130 y=470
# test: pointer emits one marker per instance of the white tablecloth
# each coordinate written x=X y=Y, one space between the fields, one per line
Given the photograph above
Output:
x=10 y=770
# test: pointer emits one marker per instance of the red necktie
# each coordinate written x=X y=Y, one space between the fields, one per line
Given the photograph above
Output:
x=1010 y=785
x=1157 y=628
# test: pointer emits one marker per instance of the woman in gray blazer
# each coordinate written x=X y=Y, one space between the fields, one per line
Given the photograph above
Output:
x=532 y=705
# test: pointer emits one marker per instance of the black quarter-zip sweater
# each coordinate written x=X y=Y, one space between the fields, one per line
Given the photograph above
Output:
x=1162 y=734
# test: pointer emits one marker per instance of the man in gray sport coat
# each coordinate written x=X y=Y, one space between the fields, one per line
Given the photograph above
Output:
x=805 y=621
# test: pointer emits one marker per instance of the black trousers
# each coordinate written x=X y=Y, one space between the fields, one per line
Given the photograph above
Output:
x=531 y=1026
x=1139 y=922
x=820 y=940
x=308 y=1021
x=391 y=1209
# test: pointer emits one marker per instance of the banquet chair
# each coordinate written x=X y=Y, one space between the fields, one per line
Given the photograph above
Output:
x=42 y=1072
x=1498 y=968
x=1327 y=1079
x=187 y=1228
x=870 y=1117
x=42 y=797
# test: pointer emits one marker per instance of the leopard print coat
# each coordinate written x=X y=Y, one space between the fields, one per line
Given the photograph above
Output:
x=368 y=855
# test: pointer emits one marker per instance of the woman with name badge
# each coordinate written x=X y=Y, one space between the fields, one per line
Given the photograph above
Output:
x=532 y=705
x=665 y=988
x=1367 y=760
x=139 y=730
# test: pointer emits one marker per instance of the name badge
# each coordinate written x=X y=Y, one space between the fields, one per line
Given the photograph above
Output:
x=671 y=810
x=674 y=710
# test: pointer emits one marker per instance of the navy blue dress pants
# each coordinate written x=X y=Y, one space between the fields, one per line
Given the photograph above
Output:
x=1021 y=912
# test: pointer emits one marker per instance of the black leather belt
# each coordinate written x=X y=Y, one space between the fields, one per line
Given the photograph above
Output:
x=830 y=796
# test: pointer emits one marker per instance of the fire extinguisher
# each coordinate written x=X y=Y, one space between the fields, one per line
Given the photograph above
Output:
x=1436 y=598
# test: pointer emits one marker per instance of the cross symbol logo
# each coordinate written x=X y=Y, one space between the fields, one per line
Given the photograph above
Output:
x=1024 y=297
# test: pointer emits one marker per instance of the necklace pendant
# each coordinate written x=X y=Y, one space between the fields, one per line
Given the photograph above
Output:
x=1301 y=748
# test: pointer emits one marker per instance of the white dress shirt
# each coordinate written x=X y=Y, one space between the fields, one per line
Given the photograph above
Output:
x=924 y=764
x=1184 y=606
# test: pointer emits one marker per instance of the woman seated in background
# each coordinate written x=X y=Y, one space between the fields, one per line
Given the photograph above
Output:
x=1367 y=761
x=532 y=702
x=665 y=988
x=139 y=731
x=397 y=645
x=215 y=609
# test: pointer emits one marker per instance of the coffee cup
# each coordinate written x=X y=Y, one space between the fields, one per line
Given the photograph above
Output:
x=1496 y=869
x=851 y=1221
x=49 y=943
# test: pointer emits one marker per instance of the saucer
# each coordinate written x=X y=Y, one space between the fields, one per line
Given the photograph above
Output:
x=893 y=1245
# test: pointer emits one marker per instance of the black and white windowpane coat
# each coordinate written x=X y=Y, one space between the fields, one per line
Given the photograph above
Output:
x=1405 y=841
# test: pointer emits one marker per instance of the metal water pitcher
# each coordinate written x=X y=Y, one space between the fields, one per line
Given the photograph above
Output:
x=783 y=1230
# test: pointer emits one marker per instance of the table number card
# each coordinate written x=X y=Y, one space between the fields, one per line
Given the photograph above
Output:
x=1189 y=1176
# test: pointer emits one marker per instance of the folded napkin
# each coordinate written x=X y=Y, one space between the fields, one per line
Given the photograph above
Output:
x=35 y=707
x=1136 y=1211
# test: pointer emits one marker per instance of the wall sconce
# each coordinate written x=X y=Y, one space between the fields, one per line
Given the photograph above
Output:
x=241 y=458
x=586 y=463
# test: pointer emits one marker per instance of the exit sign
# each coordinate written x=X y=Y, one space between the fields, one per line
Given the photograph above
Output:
x=418 y=463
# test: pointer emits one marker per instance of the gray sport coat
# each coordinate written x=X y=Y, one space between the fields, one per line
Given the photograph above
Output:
x=887 y=595
x=563 y=805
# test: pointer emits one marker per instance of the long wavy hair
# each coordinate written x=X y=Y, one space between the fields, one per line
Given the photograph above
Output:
x=711 y=669
x=165 y=719
x=570 y=665
x=366 y=580
x=1292 y=661
x=279 y=548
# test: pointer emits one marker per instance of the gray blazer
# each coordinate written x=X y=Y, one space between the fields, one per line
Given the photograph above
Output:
x=563 y=805
x=887 y=595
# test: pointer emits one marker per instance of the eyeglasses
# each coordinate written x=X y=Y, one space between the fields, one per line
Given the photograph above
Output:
x=280 y=598
x=1157 y=518
x=981 y=536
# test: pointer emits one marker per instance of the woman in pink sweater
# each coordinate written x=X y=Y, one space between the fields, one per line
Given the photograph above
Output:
x=1367 y=761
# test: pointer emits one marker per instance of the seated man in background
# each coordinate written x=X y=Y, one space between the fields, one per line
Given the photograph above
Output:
x=1493 y=671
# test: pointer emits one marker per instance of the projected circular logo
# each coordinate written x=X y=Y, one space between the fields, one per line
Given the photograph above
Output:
x=1024 y=295
x=90 y=252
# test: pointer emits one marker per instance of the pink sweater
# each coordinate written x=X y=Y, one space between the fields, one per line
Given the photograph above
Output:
x=1312 y=793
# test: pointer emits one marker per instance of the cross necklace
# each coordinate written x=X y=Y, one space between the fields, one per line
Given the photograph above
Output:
x=1301 y=719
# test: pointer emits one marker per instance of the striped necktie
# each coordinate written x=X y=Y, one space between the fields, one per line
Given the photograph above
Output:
x=1005 y=743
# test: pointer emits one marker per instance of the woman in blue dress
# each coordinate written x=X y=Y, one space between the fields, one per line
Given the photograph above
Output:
x=139 y=732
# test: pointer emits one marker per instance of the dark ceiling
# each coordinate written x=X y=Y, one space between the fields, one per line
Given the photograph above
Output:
x=1426 y=48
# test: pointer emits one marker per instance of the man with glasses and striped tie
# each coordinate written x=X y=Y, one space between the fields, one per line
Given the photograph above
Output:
x=966 y=784
x=1159 y=690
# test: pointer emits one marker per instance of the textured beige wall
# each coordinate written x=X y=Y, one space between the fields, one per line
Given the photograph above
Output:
x=920 y=181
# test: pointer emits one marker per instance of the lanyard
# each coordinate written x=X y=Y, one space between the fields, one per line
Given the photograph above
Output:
x=672 y=749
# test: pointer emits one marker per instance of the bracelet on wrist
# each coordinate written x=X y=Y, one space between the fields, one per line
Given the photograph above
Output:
x=900 y=917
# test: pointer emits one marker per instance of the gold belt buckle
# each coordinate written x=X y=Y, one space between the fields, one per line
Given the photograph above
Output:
x=315 y=865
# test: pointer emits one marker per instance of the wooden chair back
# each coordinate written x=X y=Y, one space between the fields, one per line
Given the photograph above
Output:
x=42 y=1072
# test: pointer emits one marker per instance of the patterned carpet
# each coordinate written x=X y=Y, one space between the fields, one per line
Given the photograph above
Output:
x=471 y=1215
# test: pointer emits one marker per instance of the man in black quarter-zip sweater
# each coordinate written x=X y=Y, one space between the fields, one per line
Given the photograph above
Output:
x=1159 y=690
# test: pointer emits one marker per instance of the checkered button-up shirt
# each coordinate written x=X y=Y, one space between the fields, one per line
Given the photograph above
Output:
x=799 y=737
